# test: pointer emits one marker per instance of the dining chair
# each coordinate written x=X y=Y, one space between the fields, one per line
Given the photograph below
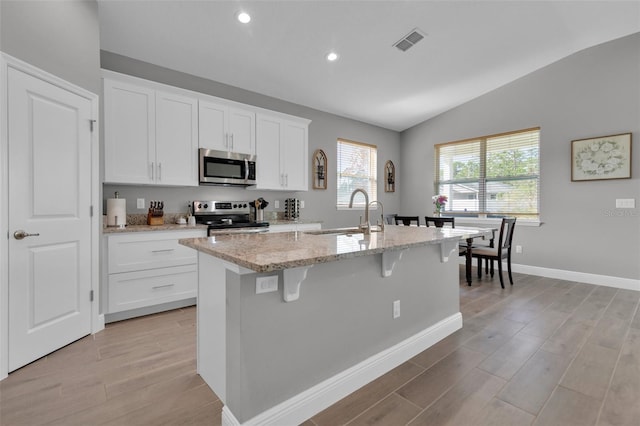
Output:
x=501 y=251
x=407 y=220
x=439 y=222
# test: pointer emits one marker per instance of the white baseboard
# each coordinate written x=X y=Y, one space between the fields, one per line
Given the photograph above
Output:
x=310 y=402
x=582 y=277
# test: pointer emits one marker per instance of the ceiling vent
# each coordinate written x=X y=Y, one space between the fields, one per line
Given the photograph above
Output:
x=409 y=40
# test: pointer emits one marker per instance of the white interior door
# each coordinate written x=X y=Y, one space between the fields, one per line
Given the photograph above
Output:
x=49 y=162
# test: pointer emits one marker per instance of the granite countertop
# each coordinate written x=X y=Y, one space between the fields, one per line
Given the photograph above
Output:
x=177 y=227
x=265 y=252
x=149 y=228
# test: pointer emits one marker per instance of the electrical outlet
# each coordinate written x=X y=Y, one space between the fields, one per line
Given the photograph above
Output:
x=140 y=204
x=276 y=204
x=518 y=249
x=266 y=284
x=302 y=204
x=625 y=203
x=396 y=309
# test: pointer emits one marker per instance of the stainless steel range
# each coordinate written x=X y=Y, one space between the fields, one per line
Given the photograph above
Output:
x=225 y=215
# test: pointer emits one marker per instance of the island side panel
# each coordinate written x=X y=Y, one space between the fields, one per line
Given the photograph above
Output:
x=275 y=350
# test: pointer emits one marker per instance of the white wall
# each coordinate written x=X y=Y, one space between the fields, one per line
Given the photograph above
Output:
x=592 y=93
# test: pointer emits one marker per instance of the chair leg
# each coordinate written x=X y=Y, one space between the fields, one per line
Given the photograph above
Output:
x=500 y=272
x=479 y=268
x=486 y=266
x=509 y=269
x=491 y=268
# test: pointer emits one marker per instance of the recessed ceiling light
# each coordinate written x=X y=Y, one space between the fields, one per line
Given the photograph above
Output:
x=332 y=56
x=244 y=17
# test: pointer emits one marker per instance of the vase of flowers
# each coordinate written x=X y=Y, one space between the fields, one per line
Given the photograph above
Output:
x=439 y=201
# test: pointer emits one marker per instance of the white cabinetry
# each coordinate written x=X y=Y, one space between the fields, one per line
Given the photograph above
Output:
x=151 y=136
x=281 y=150
x=147 y=269
x=224 y=127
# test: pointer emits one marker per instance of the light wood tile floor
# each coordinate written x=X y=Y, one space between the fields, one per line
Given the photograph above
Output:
x=543 y=352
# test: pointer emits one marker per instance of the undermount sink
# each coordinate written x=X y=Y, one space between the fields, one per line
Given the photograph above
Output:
x=339 y=231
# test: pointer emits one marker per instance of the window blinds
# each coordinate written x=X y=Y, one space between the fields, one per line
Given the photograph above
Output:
x=356 y=168
x=491 y=176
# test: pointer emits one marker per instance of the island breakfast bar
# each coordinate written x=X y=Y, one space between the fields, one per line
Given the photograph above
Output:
x=289 y=323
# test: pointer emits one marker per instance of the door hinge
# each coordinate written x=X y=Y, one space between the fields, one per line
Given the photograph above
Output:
x=91 y=296
x=91 y=123
x=90 y=211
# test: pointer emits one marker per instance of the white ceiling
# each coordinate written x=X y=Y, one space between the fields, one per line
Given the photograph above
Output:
x=471 y=47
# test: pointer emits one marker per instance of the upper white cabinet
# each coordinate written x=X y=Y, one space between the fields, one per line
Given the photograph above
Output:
x=281 y=151
x=224 y=127
x=151 y=136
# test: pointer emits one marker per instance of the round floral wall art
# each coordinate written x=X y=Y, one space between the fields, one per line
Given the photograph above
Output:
x=607 y=157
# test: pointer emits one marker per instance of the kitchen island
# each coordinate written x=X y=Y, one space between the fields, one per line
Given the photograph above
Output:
x=290 y=323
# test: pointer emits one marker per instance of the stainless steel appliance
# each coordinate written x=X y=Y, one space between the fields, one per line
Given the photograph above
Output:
x=226 y=168
x=225 y=215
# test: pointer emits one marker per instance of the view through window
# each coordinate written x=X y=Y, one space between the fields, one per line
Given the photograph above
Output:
x=357 y=168
x=491 y=176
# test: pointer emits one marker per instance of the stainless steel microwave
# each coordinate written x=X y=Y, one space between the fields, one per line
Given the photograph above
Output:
x=226 y=168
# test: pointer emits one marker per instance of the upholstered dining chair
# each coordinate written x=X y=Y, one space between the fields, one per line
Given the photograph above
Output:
x=501 y=251
x=439 y=222
x=407 y=220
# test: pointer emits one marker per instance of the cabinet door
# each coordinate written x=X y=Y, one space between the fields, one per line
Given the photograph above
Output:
x=268 y=173
x=176 y=140
x=242 y=124
x=293 y=156
x=129 y=130
x=212 y=125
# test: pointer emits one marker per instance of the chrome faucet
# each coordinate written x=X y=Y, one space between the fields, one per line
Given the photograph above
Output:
x=381 y=223
x=366 y=227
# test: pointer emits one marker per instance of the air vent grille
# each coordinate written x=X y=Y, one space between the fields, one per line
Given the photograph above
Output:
x=410 y=40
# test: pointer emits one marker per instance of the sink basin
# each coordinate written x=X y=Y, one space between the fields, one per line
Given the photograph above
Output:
x=339 y=231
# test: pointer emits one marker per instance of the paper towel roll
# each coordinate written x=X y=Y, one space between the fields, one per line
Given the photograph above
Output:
x=116 y=211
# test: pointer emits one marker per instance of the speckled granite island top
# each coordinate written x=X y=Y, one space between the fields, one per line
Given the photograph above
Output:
x=271 y=252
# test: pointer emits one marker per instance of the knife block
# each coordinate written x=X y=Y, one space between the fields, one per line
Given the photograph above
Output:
x=155 y=220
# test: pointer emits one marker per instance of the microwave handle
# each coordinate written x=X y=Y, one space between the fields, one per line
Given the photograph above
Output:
x=246 y=170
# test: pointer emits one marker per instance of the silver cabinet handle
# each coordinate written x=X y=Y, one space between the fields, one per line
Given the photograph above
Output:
x=153 y=167
x=232 y=142
x=162 y=286
x=159 y=171
x=20 y=234
x=162 y=251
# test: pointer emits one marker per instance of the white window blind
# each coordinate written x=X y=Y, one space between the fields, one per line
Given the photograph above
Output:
x=491 y=176
x=357 y=168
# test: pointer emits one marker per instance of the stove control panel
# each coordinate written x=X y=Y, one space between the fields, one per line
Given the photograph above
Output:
x=220 y=207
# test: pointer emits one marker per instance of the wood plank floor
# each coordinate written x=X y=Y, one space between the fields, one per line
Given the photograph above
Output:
x=543 y=352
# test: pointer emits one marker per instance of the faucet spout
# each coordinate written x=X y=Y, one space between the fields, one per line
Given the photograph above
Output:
x=366 y=227
x=381 y=223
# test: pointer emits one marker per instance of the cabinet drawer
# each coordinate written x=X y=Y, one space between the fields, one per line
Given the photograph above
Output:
x=138 y=252
x=133 y=290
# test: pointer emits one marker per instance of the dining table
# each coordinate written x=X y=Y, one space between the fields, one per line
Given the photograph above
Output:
x=469 y=247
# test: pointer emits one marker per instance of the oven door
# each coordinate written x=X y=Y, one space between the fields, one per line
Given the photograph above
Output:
x=226 y=168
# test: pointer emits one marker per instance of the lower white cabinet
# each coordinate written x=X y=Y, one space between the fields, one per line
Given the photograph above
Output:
x=145 y=270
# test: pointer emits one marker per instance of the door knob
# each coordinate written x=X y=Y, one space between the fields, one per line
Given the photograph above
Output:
x=20 y=234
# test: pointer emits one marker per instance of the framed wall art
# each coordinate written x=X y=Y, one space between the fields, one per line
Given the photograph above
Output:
x=605 y=157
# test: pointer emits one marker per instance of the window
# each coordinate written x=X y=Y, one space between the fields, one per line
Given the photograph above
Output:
x=491 y=176
x=357 y=168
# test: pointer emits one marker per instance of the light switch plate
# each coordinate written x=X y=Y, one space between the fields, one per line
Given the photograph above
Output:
x=266 y=284
x=276 y=204
x=625 y=203
x=140 y=203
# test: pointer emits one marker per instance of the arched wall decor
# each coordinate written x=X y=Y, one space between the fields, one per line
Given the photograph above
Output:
x=389 y=177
